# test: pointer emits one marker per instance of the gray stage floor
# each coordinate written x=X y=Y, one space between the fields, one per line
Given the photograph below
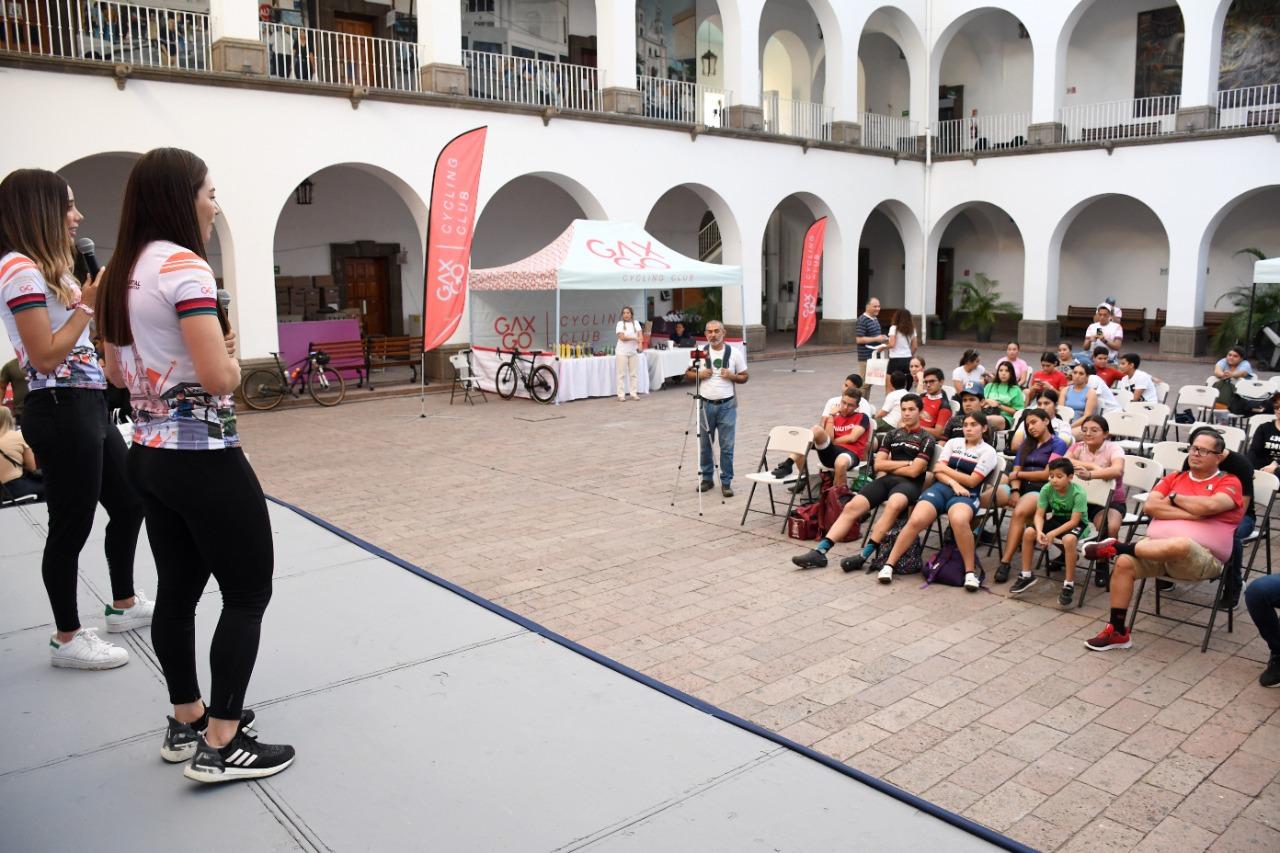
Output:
x=422 y=720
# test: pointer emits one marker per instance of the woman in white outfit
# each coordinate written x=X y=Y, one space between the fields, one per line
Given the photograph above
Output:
x=627 y=354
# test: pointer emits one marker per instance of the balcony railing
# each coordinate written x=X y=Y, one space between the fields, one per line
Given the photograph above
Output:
x=788 y=117
x=1136 y=119
x=325 y=56
x=536 y=82
x=680 y=101
x=121 y=33
x=981 y=133
x=1256 y=106
x=890 y=133
x=709 y=241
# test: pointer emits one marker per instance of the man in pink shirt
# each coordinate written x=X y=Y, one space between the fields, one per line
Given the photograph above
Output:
x=1194 y=514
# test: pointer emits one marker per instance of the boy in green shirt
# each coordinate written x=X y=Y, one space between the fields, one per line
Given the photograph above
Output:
x=1062 y=502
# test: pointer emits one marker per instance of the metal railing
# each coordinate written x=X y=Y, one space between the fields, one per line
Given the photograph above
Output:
x=105 y=30
x=537 y=82
x=325 y=56
x=709 y=241
x=788 y=117
x=681 y=101
x=890 y=133
x=981 y=133
x=1136 y=119
x=1256 y=106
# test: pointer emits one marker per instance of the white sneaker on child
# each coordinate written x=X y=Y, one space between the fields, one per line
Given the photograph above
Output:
x=971 y=582
x=886 y=575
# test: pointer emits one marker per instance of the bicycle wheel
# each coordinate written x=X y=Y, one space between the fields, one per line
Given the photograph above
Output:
x=326 y=386
x=262 y=389
x=506 y=381
x=544 y=384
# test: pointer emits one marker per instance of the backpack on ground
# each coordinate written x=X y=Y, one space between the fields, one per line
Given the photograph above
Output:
x=1246 y=406
x=832 y=503
x=947 y=566
x=804 y=522
x=910 y=563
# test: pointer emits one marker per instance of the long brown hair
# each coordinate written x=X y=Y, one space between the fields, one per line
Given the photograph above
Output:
x=159 y=204
x=33 y=221
x=904 y=323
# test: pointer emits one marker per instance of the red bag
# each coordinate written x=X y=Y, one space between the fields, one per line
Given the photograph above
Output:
x=832 y=502
x=803 y=523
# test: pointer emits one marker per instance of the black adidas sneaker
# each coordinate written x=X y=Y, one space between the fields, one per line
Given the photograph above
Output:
x=243 y=758
x=180 y=738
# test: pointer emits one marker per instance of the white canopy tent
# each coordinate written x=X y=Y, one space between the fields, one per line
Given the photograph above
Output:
x=1266 y=271
x=594 y=255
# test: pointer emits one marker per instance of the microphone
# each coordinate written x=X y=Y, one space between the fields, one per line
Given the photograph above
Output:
x=224 y=306
x=85 y=247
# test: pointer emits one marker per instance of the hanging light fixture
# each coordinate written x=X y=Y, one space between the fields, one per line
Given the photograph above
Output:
x=303 y=194
x=709 y=58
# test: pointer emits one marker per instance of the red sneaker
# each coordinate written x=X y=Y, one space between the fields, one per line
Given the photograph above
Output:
x=1109 y=638
x=1103 y=549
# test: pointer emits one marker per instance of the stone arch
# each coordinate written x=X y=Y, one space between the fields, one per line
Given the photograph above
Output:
x=684 y=237
x=938 y=52
x=894 y=24
x=1227 y=267
x=990 y=223
x=780 y=249
x=906 y=226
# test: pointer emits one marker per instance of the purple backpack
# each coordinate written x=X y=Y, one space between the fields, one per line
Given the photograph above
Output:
x=947 y=566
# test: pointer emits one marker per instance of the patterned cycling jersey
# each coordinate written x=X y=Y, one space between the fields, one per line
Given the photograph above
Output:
x=23 y=288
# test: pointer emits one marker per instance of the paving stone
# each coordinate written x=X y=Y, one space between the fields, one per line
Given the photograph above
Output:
x=986 y=772
x=1071 y=716
x=1031 y=741
x=1074 y=806
x=1180 y=772
x=1014 y=714
x=1128 y=715
x=1143 y=806
x=1246 y=773
x=851 y=741
x=1246 y=836
x=1114 y=773
x=1212 y=807
x=1184 y=715
x=1005 y=806
x=1038 y=834
x=1051 y=772
x=1152 y=742
x=971 y=741
x=1213 y=742
x=951 y=796
x=924 y=771
x=1103 y=834
x=1176 y=836
x=1264 y=742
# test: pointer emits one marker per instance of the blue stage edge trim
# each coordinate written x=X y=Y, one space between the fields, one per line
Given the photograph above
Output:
x=963 y=823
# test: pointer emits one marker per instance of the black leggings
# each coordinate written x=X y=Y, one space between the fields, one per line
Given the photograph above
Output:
x=83 y=457
x=206 y=515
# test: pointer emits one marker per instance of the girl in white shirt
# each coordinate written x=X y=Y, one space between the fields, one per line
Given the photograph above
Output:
x=627 y=355
x=970 y=370
x=902 y=342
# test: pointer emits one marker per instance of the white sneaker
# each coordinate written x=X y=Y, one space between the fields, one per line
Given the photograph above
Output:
x=886 y=575
x=971 y=582
x=86 y=651
x=137 y=616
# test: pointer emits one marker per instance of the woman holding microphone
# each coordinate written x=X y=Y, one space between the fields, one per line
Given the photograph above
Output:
x=170 y=345
x=65 y=415
x=627 y=355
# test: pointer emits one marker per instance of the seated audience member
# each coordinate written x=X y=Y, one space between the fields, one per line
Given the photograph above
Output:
x=888 y=416
x=1013 y=355
x=1066 y=359
x=970 y=370
x=1194 y=515
x=1030 y=473
x=915 y=369
x=957 y=478
x=971 y=397
x=1233 y=366
x=17 y=462
x=1262 y=598
x=1048 y=401
x=680 y=336
x=1239 y=466
x=1048 y=376
x=900 y=463
x=1264 y=447
x=1097 y=457
x=840 y=441
x=1102 y=367
x=1110 y=302
x=1104 y=331
x=1004 y=398
x=935 y=404
x=1061 y=519
x=1137 y=382
x=853 y=380
x=1086 y=395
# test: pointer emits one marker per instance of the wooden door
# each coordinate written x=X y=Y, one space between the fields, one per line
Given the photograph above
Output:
x=354 y=53
x=950 y=102
x=368 y=290
x=946 y=275
x=864 y=277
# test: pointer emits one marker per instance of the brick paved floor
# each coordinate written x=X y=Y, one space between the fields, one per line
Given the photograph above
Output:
x=988 y=706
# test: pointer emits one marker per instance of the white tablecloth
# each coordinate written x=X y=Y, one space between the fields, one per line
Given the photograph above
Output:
x=590 y=377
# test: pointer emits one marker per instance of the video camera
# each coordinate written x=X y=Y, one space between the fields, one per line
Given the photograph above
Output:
x=699 y=355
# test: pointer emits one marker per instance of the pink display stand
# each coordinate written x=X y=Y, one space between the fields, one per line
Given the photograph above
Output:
x=294 y=338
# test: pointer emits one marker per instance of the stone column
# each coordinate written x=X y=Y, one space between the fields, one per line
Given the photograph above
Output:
x=440 y=48
x=1048 y=73
x=616 y=55
x=1184 y=332
x=741 y=62
x=233 y=27
x=1039 y=328
x=1201 y=56
x=745 y=321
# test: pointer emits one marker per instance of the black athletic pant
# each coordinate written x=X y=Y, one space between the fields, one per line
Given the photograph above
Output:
x=83 y=457
x=206 y=516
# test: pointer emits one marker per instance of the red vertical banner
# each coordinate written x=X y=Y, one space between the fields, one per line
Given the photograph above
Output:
x=451 y=225
x=810 y=266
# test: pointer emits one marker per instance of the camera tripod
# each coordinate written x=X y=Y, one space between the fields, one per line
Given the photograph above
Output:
x=698 y=412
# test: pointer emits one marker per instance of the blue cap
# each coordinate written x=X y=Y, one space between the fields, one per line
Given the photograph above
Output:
x=971 y=387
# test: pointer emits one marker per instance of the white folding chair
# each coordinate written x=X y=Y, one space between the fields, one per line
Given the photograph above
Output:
x=783 y=441
x=1233 y=436
x=1067 y=413
x=465 y=378
x=1169 y=455
x=1123 y=396
x=1253 y=389
x=1265 y=487
x=1128 y=429
x=1201 y=397
x=1140 y=477
x=1162 y=391
x=1157 y=416
x=1256 y=421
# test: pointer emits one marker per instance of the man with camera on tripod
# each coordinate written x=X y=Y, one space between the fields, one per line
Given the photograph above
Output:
x=718 y=369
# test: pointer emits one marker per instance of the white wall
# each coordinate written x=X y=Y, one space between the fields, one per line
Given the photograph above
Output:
x=888 y=278
x=992 y=63
x=987 y=242
x=1115 y=247
x=1102 y=52
x=1253 y=223
x=674 y=220
x=888 y=80
x=521 y=218
x=797 y=24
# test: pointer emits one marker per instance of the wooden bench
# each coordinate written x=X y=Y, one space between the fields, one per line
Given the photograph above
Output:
x=1133 y=321
x=398 y=349
x=1077 y=319
x=1120 y=131
x=1212 y=320
x=346 y=356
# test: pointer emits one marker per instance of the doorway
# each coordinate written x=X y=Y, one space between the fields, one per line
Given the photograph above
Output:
x=946 y=275
x=864 y=276
x=353 y=53
x=950 y=102
x=368 y=291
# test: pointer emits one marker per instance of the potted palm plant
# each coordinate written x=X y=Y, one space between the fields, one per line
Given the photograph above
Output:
x=1254 y=307
x=978 y=302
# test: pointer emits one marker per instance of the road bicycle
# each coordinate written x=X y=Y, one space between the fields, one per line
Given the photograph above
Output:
x=540 y=380
x=264 y=388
